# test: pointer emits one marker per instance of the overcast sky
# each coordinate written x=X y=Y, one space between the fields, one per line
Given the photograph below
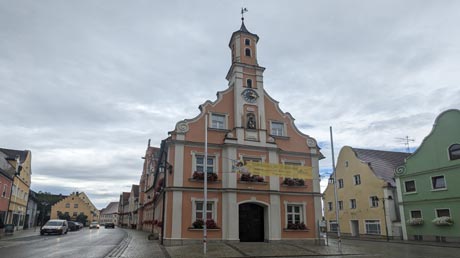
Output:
x=85 y=84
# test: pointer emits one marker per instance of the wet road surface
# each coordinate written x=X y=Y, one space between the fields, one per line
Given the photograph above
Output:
x=83 y=243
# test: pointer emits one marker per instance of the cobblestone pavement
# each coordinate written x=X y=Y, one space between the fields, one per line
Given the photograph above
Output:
x=137 y=245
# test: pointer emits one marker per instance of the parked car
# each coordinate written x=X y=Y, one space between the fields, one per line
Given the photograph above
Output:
x=55 y=226
x=109 y=225
x=79 y=224
x=94 y=224
x=73 y=226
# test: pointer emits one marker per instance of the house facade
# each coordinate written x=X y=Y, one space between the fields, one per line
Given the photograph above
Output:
x=146 y=190
x=366 y=193
x=428 y=184
x=6 y=182
x=109 y=214
x=244 y=126
x=73 y=205
x=21 y=162
x=133 y=207
x=123 y=210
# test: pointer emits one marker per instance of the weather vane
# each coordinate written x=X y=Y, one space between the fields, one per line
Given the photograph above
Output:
x=243 y=10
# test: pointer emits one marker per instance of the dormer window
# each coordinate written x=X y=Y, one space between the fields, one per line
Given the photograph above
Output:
x=249 y=83
x=247 y=52
x=454 y=152
x=247 y=42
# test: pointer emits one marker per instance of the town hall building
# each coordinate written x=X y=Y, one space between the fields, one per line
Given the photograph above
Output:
x=244 y=125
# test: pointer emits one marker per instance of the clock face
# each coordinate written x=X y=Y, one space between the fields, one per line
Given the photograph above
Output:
x=250 y=95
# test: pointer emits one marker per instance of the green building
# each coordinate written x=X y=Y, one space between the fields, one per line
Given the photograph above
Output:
x=428 y=184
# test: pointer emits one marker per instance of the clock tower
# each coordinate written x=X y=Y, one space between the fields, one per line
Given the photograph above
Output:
x=245 y=76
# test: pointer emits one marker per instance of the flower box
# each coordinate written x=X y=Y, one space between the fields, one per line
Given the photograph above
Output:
x=415 y=221
x=210 y=224
x=443 y=221
x=198 y=175
x=293 y=181
x=297 y=226
x=252 y=178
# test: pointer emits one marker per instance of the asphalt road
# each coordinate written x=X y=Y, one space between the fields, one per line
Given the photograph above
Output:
x=83 y=243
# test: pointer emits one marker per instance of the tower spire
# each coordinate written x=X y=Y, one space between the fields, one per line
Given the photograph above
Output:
x=243 y=10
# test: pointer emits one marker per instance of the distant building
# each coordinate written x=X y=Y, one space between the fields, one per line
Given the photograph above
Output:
x=73 y=205
x=123 y=210
x=21 y=162
x=109 y=214
x=366 y=193
x=428 y=184
x=32 y=210
x=133 y=207
x=6 y=182
x=146 y=191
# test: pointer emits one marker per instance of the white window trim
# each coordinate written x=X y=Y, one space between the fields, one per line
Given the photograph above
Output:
x=292 y=161
x=354 y=179
x=404 y=185
x=210 y=155
x=436 y=212
x=370 y=202
x=438 y=189
x=338 y=183
x=421 y=214
x=250 y=51
x=351 y=204
x=245 y=41
x=284 y=128
x=333 y=222
x=218 y=114
x=303 y=215
x=215 y=201
x=379 y=223
x=448 y=152
x=340 y=204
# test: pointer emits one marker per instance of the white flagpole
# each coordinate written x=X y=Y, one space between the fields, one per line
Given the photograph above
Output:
x=205 y=168
x=339 y=240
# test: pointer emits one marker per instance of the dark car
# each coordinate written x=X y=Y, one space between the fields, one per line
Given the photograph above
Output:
x=109 y=225
x=73 y=226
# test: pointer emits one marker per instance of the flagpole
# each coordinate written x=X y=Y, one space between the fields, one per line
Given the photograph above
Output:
x=205 y=168
x=339 y=240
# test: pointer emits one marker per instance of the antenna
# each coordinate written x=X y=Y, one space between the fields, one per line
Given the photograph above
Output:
x=405 y=141
x=243 y=10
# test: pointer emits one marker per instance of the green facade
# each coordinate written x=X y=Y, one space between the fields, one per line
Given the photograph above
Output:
x=432 y=160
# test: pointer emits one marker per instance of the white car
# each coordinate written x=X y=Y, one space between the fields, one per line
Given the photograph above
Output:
x=94 y=224
x=55 y=226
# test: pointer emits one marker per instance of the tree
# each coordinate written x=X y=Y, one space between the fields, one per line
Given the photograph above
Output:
x=82 y=218
x=64 y=216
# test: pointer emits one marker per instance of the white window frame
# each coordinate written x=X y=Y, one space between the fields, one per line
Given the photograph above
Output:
x=245 y=52
x=225 y=122
x=436 y=212
x=353 y=204
x=277 y=133
x=214 y=156
x=303 y=209
x=67 y=205
x=373 y=201
x=357 y=179
x=340 y=183
x=449 y=151
x=247 y=40
x=75 y=205
x=410 y=214
x=405 y=188
x=372 y=222
x=438 y=189
x=340 y=205
x=214 y=202
x=336 y=225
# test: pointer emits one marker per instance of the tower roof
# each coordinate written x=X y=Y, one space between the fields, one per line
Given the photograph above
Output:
x=243 y=30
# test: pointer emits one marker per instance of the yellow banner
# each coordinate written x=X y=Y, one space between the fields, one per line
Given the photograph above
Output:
x=268 y=169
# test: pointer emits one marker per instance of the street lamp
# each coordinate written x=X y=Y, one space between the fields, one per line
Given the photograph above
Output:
x=385 y=214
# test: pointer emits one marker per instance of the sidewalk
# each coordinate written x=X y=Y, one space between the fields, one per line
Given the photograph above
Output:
x=137 y=245
x=21 y=234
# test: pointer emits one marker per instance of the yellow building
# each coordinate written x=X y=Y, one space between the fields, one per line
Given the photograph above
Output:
x=21 y=162
x=366 y=193
x=73 y=205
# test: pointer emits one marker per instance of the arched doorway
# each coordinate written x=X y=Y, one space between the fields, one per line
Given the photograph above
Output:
x=251 y=222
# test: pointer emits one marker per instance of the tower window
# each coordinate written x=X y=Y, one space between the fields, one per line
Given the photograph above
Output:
x=247 y=42
x=249 y=83
x=247 y=52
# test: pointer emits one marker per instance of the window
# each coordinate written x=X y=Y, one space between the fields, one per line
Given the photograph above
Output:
x=67 y=205
x=340 y=183
x=247 y=52
x=357 y=179
x=438 y=182
x=410 y=186
x=333 y=226
x=218 y=121
x=352 y=203
x=374 y=201
x=249 y=83
x=454 y=151
x=277 y=128
x=75 y=205
x=442 y=213
x=75 y=214
x=200 y=164
x=329 y=206
x=247 y=42
x=294 y=213
x=372 y=227
x=5 y=190
x=340 y=205
x=417 y=214
x=198 y=210
x=346 y=163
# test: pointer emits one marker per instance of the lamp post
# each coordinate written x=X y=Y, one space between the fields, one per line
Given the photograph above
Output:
x=385 y=215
